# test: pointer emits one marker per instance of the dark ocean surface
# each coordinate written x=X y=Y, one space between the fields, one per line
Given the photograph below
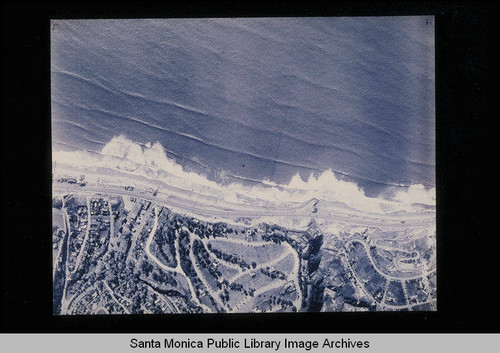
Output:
x=254 y=98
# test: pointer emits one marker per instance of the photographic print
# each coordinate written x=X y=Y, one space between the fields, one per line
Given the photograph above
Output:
x=237 y=165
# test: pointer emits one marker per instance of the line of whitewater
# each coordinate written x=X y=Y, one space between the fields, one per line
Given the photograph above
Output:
x=211 y=143
x=151 y=162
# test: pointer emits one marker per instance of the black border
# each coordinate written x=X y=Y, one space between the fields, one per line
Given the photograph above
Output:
x=467 y=192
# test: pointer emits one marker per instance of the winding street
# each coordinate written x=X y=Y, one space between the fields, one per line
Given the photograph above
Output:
x=355 y=218
x=386 y=276
x=178 y=269
x=213 y=294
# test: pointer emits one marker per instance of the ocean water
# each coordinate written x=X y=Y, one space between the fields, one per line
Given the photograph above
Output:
x=254 y=99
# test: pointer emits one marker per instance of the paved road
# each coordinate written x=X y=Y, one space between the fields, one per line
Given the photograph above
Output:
x=355 y=218
x=85 y=237
x=304 y=211
x=262 y=265
x=198 y=271
x=61 y=242
x=388 y=279
x=114 y=298
x=177 y=269
x=387 y=276
x=294 y=274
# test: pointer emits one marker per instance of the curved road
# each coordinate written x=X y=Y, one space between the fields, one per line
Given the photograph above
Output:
x=177 y=269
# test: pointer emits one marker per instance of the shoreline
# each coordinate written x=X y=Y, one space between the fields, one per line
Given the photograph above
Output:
x=149 y=165
x=296 y=215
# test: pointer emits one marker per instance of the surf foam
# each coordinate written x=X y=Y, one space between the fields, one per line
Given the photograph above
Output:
x=150 y=160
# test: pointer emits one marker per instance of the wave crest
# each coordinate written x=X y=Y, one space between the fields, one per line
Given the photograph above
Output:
x=151 y=161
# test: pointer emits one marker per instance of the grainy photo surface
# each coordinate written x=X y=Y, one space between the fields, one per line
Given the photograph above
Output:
x=243 y=165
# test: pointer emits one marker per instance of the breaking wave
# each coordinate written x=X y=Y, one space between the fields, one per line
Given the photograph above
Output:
x=150 y=160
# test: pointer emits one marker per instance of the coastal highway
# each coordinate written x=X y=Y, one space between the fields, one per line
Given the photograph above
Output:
x=357 y=218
